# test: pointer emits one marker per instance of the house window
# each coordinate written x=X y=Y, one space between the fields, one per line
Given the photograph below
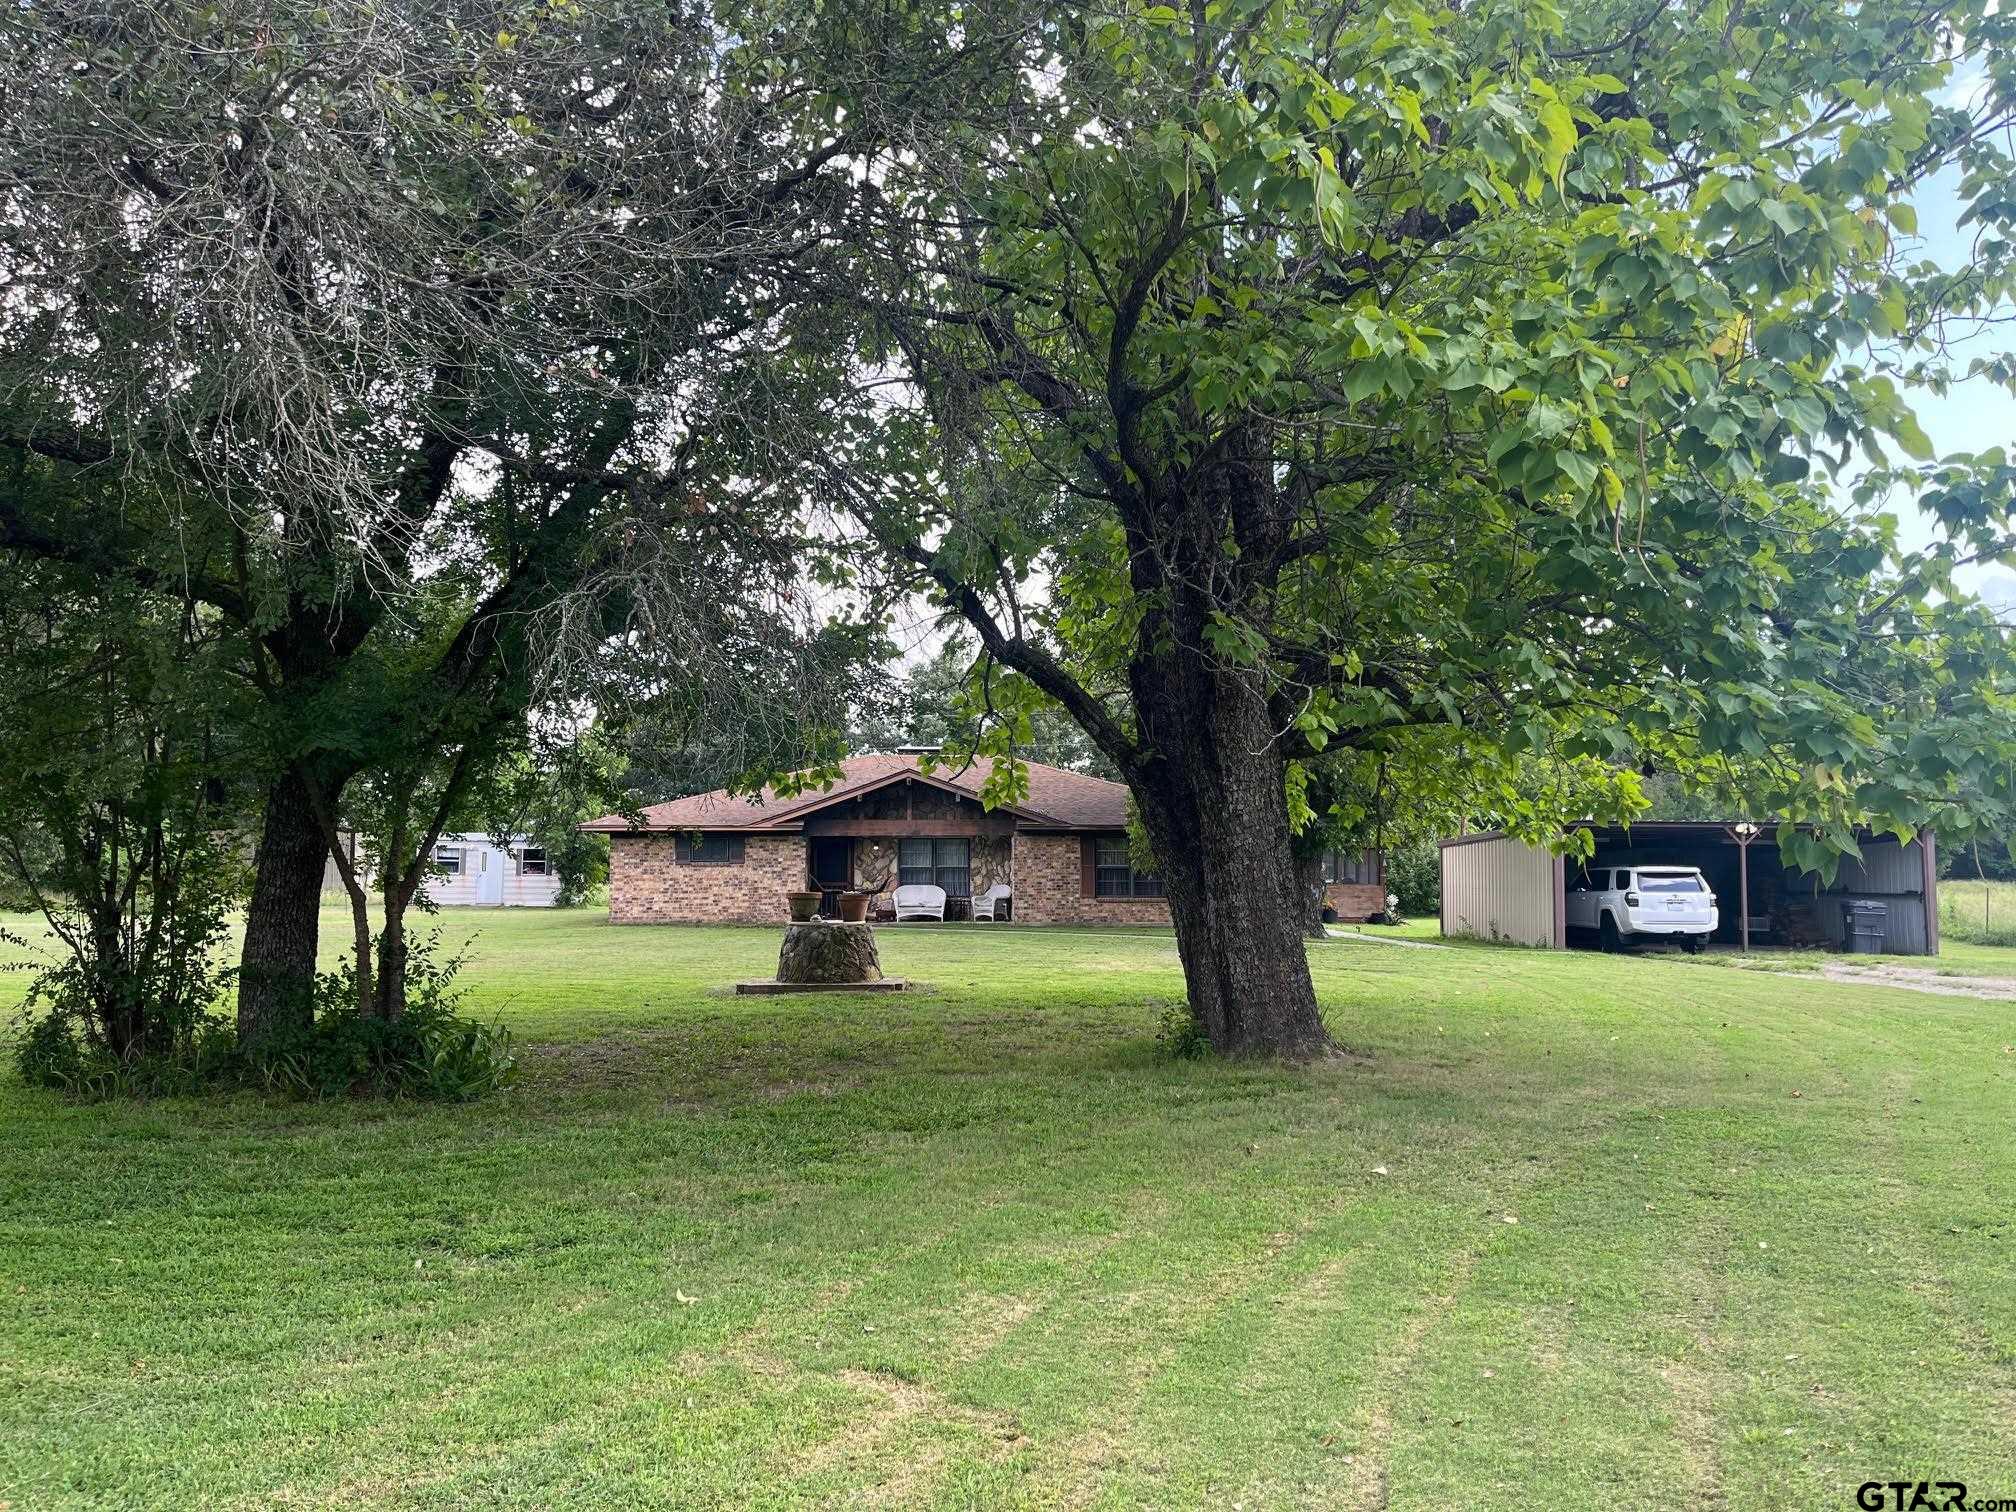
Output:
x=532 y=861
x=1351 y=866
x=936 y=863
x=709 y=850
x=449 y=860
x=1114 y=874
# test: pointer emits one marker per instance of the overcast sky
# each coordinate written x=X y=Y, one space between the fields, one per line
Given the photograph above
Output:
x=1973 y=416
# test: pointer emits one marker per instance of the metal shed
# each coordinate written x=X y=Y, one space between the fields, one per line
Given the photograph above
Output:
x=1496 y=887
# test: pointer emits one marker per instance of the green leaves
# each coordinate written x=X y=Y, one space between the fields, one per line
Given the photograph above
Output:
x=1437 y=414
x=1560 y=140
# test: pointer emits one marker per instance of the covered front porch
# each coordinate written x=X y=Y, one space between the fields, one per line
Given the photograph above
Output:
x=909 y=834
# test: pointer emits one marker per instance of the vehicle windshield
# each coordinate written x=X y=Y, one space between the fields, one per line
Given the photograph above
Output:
x=1671 y=882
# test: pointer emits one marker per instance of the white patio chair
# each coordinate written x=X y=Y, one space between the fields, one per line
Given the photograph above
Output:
x=918 y=901
x=983 y=906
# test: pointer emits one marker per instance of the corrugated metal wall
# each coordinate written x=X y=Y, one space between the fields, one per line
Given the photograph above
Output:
x=1498 y=889
x=1885 y=867
x=1890 y=874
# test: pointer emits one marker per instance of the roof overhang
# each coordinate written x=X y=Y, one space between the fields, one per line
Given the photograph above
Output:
x=616 y=825
x=788 y=818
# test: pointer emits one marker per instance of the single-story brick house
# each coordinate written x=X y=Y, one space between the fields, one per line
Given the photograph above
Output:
x=714 y=858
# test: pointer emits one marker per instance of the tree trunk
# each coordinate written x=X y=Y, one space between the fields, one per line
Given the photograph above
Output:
x=360 y=942
x=1309 y=886
x=1214 y=800
x=391 y=1003
x=276 y=977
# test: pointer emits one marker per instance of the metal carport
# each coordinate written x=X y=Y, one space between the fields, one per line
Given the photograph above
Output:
x=1496 y=887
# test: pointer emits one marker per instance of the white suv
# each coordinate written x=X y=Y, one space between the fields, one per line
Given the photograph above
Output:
x=1625 y=904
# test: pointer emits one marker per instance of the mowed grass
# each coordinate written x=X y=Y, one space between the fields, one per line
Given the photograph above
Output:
x=981 y=1245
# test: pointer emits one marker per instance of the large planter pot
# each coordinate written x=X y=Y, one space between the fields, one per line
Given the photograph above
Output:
x=853 y=907
x=804 y=906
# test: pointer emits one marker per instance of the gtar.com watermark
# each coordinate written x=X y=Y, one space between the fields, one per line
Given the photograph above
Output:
x=1926 y=1496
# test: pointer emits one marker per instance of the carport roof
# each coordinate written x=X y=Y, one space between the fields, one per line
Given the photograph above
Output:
x=1703 y=829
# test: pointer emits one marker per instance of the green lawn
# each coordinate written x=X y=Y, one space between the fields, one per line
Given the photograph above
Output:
x=981 y=1246
x=1981 y=913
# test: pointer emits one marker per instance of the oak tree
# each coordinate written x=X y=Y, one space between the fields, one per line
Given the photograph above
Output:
x=432 y=346
x=1332 y=371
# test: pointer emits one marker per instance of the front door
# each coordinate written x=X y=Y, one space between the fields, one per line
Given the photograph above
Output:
x=832 y=865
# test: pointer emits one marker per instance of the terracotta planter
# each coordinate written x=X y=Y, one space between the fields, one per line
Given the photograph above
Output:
x=853 y=907
x=804 y=906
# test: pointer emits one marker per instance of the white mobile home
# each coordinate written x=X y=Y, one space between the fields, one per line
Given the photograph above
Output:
x=471 y=871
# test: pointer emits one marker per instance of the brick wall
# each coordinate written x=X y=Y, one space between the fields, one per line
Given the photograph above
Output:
x=648 y=885
x=1049 y=886
x=1355 y=902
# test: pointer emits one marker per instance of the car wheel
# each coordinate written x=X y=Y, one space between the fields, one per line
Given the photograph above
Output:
x=1607 y=933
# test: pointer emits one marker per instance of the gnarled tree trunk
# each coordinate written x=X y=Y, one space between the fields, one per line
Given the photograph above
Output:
x=276 y=977
x=1214 y=801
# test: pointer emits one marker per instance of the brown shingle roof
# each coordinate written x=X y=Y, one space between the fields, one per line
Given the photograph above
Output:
x=1057 y=799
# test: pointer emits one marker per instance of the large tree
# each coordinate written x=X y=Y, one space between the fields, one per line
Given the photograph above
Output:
x=1330 y=370
x=431 y=345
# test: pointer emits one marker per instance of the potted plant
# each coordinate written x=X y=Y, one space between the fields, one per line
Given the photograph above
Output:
x=804 y=906
x=853 y=907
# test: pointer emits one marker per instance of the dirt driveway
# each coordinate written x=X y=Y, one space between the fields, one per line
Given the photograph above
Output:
x=1922 y=979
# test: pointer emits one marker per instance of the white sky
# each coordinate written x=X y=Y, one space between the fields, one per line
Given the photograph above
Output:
x=1973 y=416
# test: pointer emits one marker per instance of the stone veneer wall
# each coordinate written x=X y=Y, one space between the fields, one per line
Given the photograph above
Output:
x=1049 y=887
x=1355 y=902
x=648 y=885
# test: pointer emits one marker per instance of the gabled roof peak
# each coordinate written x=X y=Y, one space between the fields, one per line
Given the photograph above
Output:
x=1058 y=798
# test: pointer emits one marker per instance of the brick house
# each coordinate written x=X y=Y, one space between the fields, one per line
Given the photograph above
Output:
x=718 y=859
x=1354 y=884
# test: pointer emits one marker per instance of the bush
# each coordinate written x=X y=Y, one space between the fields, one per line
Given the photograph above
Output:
x=131 y=1009
x=430 y=1051
x=1414 y=875
x=1180 y=1036
x=53 y=1054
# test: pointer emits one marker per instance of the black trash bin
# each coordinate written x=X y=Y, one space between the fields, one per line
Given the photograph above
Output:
x=1864 y=924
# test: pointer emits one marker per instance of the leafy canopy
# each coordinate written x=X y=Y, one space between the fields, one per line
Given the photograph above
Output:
x=1490 y=368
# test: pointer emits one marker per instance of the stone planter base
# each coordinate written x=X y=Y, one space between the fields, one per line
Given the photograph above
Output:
x=827 y=954
x=771 y=987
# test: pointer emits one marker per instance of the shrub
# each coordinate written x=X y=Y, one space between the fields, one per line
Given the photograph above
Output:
x=430 y=1051
x=54 y=1054
x=1180 y=1036
x=1414 y=875
x=131 y=1007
